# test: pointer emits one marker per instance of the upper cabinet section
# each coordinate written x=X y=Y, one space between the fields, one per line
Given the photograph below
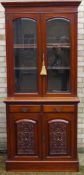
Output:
x=41 y=47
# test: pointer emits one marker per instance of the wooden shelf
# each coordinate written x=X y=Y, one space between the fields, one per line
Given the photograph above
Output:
x=49 y=68
x=24 y=46
x=25 y=68
x=52 y=45
x=58 y=68
x=58 y=45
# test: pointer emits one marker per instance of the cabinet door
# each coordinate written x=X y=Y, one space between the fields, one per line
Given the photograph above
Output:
x=60 y=57
x=59 y=136
x=24 y=136
x=24 y=55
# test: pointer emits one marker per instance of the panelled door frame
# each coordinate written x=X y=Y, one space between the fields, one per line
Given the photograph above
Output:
x=10 y=53
x=15 y=118
x=69 y=119
x=73 y=59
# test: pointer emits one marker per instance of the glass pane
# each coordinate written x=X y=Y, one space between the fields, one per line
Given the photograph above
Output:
x=25 y=54
x=58 y=55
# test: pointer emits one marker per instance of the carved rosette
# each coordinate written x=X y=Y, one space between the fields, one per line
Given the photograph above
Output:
x=58 y=136
x=26 y=137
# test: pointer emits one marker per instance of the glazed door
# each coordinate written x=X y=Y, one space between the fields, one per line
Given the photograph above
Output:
x=24 y=135
x=58 y=136
x=24 y=55
x=59 y=54
x=41 y=54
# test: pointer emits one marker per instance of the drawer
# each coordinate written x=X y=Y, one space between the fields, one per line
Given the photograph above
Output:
x=24 y=108
x=58 y=108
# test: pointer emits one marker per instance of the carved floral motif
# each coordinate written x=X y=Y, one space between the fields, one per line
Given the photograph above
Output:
x=26 y=137
x=58 y=137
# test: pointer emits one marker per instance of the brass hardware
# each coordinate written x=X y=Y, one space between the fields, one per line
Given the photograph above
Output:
x=58 y=109
x=43 y=70
x=24 y=109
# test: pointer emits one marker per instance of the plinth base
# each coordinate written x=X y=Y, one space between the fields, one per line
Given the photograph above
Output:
x=42 y=166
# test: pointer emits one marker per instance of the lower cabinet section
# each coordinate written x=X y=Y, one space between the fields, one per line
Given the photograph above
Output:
x=42 y=138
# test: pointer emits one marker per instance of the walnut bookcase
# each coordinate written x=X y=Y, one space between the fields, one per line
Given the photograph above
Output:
x=41 y=47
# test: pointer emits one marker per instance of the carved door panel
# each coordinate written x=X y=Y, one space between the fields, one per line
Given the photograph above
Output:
x=58 y=134
x=25 y=136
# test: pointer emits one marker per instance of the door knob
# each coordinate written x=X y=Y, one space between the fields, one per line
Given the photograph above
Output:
x=24 y=109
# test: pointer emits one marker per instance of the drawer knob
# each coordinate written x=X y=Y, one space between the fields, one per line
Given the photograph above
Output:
x=25 y=110
x=58 y=109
